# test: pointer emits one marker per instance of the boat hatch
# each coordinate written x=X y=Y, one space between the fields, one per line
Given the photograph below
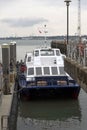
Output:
x=38 y=71
x=31 y=71
x=54 y=70
x=46 y=71
x=61 y=69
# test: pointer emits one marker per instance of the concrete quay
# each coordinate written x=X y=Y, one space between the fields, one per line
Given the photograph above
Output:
x=8 y=88
x=9 y=106
x=77 y=72
x=61 y=44
x=5 y=109
x=8 y=110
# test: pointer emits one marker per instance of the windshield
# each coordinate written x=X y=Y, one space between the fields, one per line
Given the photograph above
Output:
x=47 y=52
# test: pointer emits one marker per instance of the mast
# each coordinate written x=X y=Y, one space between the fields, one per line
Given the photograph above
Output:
x=45 y=32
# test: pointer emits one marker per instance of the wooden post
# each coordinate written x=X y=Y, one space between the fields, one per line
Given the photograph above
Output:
x=12 y=61
x=1 y=78
x=6 y=66
x=13 y=53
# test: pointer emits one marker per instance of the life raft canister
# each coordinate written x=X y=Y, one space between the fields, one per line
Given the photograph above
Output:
x=23 y=68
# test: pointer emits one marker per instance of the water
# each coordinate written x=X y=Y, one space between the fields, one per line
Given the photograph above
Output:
x=53 y=114
x=49 y=114
x=24 y=46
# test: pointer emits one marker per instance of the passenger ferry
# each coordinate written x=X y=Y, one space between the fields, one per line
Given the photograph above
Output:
x=44 y=75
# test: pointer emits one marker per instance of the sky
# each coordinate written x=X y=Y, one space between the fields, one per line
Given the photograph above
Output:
x=29 y=17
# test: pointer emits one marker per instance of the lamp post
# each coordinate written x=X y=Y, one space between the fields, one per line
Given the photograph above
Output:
x=67 y=4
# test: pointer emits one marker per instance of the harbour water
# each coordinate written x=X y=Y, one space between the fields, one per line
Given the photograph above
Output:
x=24 y=46
x=62 y=114
x=59 y=114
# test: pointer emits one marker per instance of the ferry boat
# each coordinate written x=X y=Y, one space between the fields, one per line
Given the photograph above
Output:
x=44 y=75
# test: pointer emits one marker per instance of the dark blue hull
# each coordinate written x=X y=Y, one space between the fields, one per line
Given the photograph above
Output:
x=49 y=87
x=50 y=93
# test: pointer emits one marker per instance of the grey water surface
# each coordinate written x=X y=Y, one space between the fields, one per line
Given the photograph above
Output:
x=59 y=114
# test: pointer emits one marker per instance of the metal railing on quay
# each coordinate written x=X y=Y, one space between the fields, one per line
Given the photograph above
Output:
x=77 y=52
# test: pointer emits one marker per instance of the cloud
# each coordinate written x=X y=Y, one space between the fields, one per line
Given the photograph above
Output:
x=6 y=1
x=23 y=22
x=17 y=15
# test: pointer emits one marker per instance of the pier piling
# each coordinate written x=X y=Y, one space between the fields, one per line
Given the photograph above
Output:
x=6 y=68
x=8 y=106
x=13 y=54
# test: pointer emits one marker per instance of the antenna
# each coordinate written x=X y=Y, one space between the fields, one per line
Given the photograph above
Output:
x=45 y=32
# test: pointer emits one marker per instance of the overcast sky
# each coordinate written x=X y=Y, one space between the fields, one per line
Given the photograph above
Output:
x=27 y=17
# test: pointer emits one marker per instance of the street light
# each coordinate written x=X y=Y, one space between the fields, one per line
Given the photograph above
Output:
x=67 y=4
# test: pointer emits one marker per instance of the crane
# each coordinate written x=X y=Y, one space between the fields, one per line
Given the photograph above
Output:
x=79 y=20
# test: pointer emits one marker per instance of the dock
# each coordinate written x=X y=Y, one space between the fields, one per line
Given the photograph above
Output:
x=5 y=108
x=8 y=88
x=8 y=108
x=61 y=44
x=75 y=63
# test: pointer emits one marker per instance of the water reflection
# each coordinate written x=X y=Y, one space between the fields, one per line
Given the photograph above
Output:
x=50 y=115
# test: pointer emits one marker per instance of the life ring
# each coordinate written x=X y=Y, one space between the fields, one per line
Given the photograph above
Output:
x=81 y=47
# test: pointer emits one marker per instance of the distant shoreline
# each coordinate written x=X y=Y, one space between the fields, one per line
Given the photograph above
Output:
x=40 y=37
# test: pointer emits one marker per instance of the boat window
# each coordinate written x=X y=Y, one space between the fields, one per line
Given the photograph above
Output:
x=36 y=53
x=46 y=71
x=54 y=70
x=29 y=59
x=57 y=52
x=31 y=71
x=25 y=58
x=63 y=56
x=47 y=52
x=61 y=69
x=38 y=71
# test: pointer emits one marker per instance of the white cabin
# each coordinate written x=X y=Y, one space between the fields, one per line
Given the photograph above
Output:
x=44 y=62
